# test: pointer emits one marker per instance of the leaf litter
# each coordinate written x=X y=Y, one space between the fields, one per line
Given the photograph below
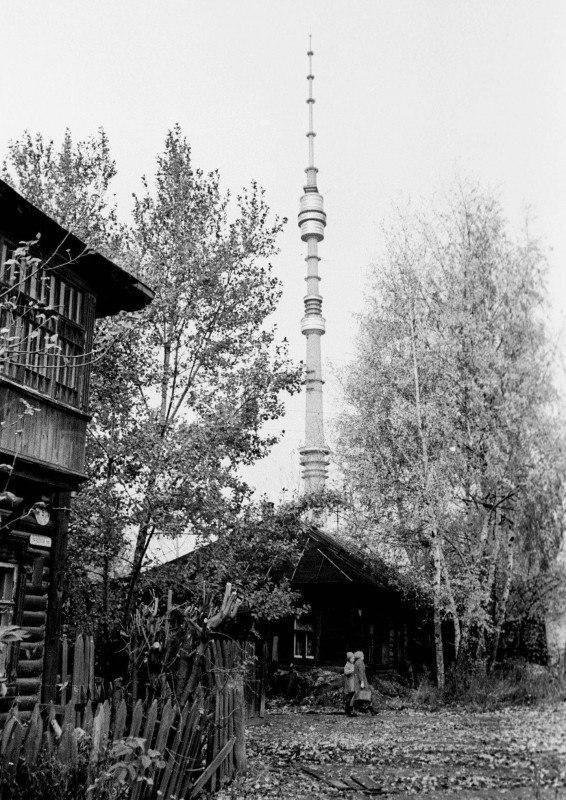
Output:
x=488 y=755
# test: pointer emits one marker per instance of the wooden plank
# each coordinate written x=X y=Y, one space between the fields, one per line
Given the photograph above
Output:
x=216 y=743
x=167 y=719
x=367 y=783
x=218 y=661
x=78 y=668
x=191 y=730
x=202 y=780
x=194 y=678
x=120 y=721
x=86 y=667
x=240 y=757
x=33 y=738
x=105 y=729
x=137 y=717
x=148 y=736
x=168 y=613
x=166 y=725
x=150 y=724
x=14 y=747
x=230 y=728
x=69 y=714
x=100 y=729
x=88 y=718
x=328 y=779
x=194 y=753
x=8 y=728
x=64 y=668
x=172 y=756
x=90 y=676
x=67 y=752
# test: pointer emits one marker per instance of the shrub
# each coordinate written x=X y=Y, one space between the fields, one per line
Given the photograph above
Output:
x=123 y=764
x=510 y=683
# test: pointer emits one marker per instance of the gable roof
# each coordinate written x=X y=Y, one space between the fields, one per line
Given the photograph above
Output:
x=327 y=559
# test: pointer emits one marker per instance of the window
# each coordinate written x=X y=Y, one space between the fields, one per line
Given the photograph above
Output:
x=303 y=640
x=8 y=579
x=42 y=329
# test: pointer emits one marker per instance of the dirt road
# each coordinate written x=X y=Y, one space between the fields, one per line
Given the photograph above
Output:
x=514 y=753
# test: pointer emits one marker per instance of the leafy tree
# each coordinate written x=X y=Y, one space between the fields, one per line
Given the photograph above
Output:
x=214 y=370
x=452 y=439
x=181 y=391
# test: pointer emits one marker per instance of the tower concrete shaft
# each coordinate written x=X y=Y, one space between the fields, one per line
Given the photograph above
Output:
x=312 y=221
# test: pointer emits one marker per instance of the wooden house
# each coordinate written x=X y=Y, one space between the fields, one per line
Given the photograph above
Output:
x=49 y=301
x=357 y=602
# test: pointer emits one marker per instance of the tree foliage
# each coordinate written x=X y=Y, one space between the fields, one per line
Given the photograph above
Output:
x=452 y=443
x=180 y=391
x=256 y=554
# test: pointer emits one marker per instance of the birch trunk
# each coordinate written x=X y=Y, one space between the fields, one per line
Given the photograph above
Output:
x=437 y=599
x=436 y=543
x=453 y=609
x=501 y=609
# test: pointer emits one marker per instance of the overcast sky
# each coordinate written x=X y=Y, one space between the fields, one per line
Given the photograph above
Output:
x=409 y=96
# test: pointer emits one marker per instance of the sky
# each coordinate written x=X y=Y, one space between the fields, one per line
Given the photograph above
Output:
x=409 y=97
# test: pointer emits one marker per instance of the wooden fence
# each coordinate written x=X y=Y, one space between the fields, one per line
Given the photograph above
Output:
x=200 y=737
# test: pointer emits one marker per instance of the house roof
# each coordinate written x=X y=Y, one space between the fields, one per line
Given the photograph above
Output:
x=115 y=288
x=332 y=560
x=325 y=559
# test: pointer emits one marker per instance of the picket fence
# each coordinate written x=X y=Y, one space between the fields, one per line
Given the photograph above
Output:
x=200 y=739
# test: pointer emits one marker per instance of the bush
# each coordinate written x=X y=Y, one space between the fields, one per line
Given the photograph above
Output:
x=123 y=764
x=47 y=779
x=510 y=683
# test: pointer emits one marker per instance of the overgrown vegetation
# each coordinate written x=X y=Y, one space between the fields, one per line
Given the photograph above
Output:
x=121 y=767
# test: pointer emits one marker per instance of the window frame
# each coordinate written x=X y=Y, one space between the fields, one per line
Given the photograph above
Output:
x=303 y=632
x=7 y=609
x=60 y=375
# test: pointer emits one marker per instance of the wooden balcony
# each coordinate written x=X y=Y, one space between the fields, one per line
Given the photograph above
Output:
x=42 y=433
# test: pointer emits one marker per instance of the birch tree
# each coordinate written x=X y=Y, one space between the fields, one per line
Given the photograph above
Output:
x=451 y=439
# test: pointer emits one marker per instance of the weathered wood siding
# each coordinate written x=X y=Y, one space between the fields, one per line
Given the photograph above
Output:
x=51 y=434
x=26 y=658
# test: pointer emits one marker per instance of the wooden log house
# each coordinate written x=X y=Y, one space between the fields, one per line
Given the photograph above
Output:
x=357 y=602
x=48 y=309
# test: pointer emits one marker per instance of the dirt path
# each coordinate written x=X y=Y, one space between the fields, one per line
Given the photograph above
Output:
x=513 y=753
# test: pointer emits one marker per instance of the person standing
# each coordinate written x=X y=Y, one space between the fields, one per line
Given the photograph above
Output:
x=349 y=685
x=364 y=693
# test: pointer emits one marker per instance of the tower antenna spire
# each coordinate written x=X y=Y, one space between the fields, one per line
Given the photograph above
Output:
x=312 y=221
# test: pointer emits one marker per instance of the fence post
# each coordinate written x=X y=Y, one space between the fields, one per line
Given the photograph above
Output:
x=240 y=759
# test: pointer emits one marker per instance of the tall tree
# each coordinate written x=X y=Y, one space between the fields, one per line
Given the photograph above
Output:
x=215 y=371
x=451 y=438
x=180 y=392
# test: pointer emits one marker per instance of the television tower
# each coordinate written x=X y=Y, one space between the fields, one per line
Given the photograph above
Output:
x=312 y=221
